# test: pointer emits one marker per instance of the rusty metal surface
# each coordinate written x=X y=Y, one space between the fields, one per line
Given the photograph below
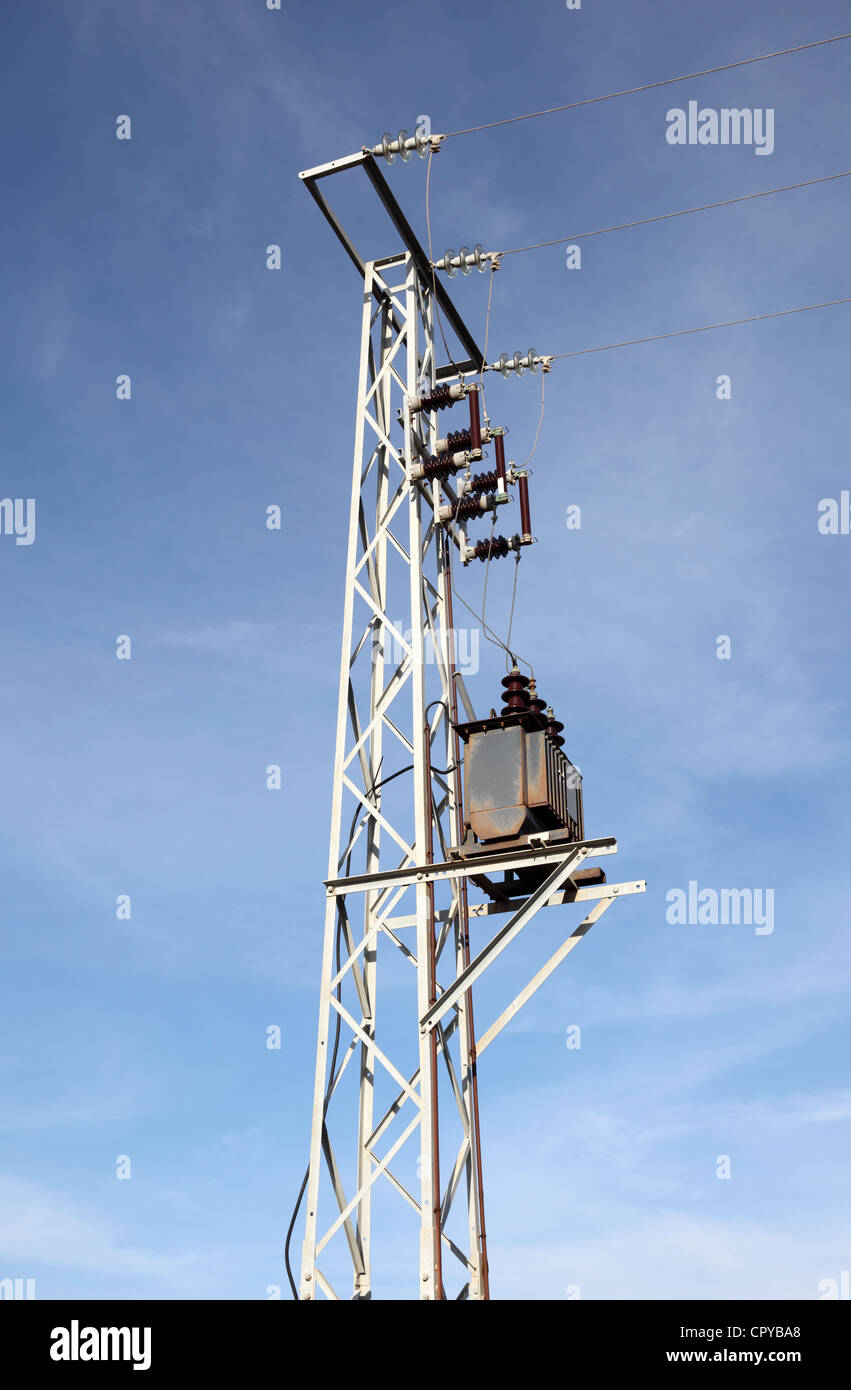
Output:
x=517 y=780
x=536 y=769
x=495 y=783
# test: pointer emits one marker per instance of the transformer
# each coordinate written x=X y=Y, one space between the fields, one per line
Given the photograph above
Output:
x=517 y=780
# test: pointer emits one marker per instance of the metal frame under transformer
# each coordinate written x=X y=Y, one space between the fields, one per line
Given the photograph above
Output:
x=397 y=921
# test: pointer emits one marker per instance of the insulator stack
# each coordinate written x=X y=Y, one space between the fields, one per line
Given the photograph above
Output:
x=405 y=145
x=440 y=397
x=525 y=518
x=554 y=728
x=499 y=449
x=535 y=701
x=516 y=694
x=484 y=482
x=468 y=508
x=518 y=363
x=475 y=422
x=465 y=260
x=457 y=439
x=440 y=465
x=495 y=549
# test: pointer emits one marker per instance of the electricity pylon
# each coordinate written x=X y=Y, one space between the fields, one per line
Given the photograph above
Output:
x=396 y=1056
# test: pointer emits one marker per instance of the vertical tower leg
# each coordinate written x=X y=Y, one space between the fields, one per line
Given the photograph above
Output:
x=391 y=714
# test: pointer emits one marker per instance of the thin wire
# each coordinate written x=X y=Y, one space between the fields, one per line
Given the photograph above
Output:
x=487 y=565
x=540 y=421
x=705 y=207
x=433 y=269
x=705 y=328
x=487 y=423
x=493 y=637
x=648 y=86
x=508 y=654
x=494 y=268
x=513 y=600
x=481 y=374
x=497 y=642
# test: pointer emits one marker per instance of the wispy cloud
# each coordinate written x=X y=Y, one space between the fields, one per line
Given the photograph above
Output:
x=39 y=1227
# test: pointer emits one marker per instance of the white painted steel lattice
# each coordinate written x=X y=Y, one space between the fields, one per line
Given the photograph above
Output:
x=395 y=1098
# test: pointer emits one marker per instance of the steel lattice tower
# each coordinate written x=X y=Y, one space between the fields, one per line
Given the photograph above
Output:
x=396 y=1057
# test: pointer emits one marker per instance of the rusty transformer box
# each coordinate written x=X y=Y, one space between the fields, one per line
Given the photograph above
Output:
x=517 y=781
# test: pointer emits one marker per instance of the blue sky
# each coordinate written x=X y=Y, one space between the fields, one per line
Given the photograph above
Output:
x=146 y=777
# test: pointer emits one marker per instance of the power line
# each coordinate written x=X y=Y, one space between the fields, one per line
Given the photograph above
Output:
x=648 y=86
x=705 y=328
x=433 y=270
x=494 y=637
x=684 y=212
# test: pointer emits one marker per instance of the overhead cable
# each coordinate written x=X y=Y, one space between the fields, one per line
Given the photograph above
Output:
x=705 y=328
x=647 y=86
x=684 y=212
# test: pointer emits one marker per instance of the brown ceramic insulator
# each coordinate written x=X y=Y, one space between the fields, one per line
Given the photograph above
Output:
x=535 y=701
x=458 y=439
x=495 y=549
x=475 y=423
x=439 y=466
x=516 y=694
x=554 y=728
x=525 y=519
x=484 y=482
x=438 y=399
x=499 y=449
x=467 y=509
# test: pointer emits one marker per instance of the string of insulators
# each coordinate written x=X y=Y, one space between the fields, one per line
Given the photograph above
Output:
x=494 y=549
x=516 y=692
x=518 y=363
x=405 y=144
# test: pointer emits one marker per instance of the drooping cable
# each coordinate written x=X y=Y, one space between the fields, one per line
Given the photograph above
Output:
x=540 y=420
x=493 y=637
x=508 y=656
